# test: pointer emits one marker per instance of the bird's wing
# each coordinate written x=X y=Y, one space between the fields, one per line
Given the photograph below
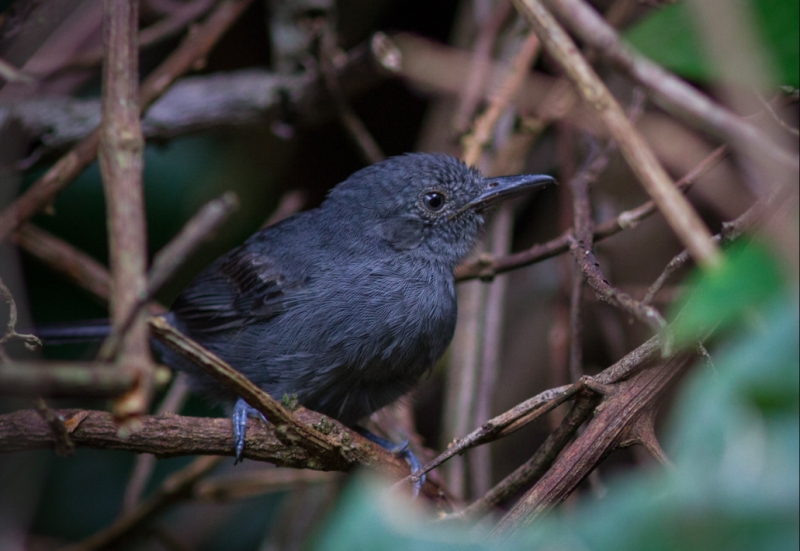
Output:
x=241 y=288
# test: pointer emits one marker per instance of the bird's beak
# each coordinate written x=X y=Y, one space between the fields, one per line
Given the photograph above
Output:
x=503 y=187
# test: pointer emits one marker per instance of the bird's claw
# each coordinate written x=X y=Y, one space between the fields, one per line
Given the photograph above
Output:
x=402 y=450
x=241 y=411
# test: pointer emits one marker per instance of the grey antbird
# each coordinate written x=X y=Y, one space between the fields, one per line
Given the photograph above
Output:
x=346 y=305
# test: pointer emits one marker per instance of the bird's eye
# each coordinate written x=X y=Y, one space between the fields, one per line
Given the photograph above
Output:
x=434 y=201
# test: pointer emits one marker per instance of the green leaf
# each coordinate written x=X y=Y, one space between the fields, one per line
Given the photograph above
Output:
x=748 y=278
x=673 y=38
x=669 y=37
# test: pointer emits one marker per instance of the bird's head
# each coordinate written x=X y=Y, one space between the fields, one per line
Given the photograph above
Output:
x=425 y=202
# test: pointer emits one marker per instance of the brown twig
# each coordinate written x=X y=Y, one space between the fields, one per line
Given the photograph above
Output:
x=486 y=268
x=535 y=467
x=582 y=249
x=677 y=210
x=172 y=256
x=667 y=89
x=178 y=486
x=501 y=425
x=621 y=408
x=367 y=146
x=532 y=408
x=480 y=462
x=480 y=65
x=65 y=379
x=174 y=435
x=121 y=157
x=730 y=232
x=62 y=257
x=195 y=46
x=483 y=127
x=146 y=462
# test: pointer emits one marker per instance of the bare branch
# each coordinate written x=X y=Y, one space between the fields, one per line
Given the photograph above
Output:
x=178 y=486
x=196 y=46
x=620 y=409
x=121 y=157
x=673 y=93
x=487 y=268
x=679 y=213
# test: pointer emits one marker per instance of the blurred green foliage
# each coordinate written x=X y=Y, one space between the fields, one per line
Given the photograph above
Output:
x=735 y=439
x=748 y=278
x=671 y=37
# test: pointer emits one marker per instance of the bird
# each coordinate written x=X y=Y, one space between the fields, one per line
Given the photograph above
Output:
x=347 y=305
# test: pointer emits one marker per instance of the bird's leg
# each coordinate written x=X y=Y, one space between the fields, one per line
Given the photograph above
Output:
x=402 y=450
x=241 y=411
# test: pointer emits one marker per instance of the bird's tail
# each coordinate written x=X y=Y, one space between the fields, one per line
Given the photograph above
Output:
x=73 y=332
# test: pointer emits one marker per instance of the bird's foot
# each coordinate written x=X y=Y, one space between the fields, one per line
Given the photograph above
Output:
x=402 y=450
x=241 y=411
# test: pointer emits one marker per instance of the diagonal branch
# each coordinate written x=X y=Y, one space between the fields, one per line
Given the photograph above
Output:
x=679 y=213
x=195 y=46
x=487 y=268
x=674 y=94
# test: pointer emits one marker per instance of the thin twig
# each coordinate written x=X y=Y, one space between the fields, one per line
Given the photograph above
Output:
x=367 y=146
x=178 y=486
x=535 y=467
x=65 y=379
x=480 y=65
x=172 y=256
x=486 y=268
x=146 y=462
x=75 y=265
x=670 y=91
x=582 y=249
x=532 y=408
x=480 y=462
x=195 y=46
x=622 y=406
x=483 y=127
x=677 y=210
x=502 y=425
x=730 y=232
